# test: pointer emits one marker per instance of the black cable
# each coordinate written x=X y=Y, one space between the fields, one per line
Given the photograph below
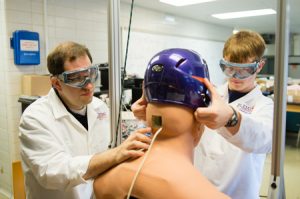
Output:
x=124 y=71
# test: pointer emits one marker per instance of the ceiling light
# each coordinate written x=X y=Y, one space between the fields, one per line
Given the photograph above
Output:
x=184 y=2
x=248 y=13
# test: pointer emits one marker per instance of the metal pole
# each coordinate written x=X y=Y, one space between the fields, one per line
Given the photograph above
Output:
x=114 y=46
x=46 y=27
x=276 y=188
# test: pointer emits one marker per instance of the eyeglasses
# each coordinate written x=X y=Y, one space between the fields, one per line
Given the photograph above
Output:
x=80 y=78
x=239 y=71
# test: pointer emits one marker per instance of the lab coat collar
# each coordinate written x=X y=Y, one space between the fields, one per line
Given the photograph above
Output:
x=59 y=110
x=223 y=91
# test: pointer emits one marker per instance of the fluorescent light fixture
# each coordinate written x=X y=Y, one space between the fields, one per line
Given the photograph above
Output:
x=184 y=2
x=248 y=13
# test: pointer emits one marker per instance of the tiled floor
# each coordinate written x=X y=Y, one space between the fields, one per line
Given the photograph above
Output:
x=291 y=170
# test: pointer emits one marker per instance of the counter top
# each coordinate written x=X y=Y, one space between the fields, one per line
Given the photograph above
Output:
x=293 y=107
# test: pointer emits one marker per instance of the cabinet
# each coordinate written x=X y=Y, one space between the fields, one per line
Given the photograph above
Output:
x=268 y=68
x=292 y=117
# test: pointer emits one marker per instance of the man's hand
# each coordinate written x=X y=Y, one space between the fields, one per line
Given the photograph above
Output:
x=139 y=108
x=134 y=146
x=217 y=114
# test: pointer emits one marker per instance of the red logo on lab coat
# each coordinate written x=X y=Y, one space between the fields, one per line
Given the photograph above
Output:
x=101 y=115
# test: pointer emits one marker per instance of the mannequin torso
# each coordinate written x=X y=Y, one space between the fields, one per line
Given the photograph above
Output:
x=168 y=171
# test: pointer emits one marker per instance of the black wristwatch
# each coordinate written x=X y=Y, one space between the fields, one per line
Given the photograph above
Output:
x=233 y=120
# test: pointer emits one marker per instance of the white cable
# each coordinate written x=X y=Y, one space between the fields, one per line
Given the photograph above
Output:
x=142 y=163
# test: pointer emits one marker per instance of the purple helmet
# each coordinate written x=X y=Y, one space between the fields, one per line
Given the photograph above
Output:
x=176 y=76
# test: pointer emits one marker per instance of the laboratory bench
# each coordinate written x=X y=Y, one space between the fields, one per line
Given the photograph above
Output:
x=293 y=107
x=293 y=120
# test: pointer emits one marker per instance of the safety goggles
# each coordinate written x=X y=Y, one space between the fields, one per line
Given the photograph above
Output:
x=239 y=71
x=80 y=78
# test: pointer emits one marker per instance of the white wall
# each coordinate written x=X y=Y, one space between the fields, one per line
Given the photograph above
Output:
x=5 y=155
x=151 y=33
x=77 y=20
x=152 y=21
x=151 y=43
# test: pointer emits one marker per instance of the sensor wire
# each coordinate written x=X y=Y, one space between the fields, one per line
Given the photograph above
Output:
x=142 y=163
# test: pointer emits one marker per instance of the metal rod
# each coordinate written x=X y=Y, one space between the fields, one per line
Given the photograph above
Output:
x=114 y=46
x=276 y=189
x=46 y=27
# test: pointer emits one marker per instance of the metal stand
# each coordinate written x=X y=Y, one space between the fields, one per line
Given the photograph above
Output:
x=276 y=189
x=114 y=46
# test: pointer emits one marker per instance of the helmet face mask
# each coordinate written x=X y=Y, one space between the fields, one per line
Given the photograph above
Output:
x=176 y=76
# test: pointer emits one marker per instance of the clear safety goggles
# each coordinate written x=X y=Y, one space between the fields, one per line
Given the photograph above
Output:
x=239 y=71
x=80 y=78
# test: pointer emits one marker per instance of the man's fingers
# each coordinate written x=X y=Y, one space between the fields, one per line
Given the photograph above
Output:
x=205 y=115
x=143 y=92
x=133 y=154
x=138 y=145
x=143 y=98
x=143 y=138
x=142 y=101
x=143 y=130
x=210 y=88
x=140 y=135
x=204 y=112
x=141 y=108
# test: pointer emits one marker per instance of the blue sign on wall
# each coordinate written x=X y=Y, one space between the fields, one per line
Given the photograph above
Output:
x=26 y=47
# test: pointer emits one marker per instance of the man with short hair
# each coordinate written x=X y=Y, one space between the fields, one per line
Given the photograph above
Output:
x=65 y=135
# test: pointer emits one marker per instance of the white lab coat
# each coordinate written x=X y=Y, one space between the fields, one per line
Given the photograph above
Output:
x=56 y=148
x=235 y=163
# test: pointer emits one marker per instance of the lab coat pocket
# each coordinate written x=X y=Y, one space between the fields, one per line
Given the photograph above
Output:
x=100 y=136
x=211 y=152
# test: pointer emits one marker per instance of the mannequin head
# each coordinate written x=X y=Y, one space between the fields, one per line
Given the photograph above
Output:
x=174 y=88
x=175 y=76
x=176 y=121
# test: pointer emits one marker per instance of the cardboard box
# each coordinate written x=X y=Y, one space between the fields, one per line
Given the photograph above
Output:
x=36 y=85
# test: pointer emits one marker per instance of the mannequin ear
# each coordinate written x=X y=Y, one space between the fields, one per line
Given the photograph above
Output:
x=55 y=83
